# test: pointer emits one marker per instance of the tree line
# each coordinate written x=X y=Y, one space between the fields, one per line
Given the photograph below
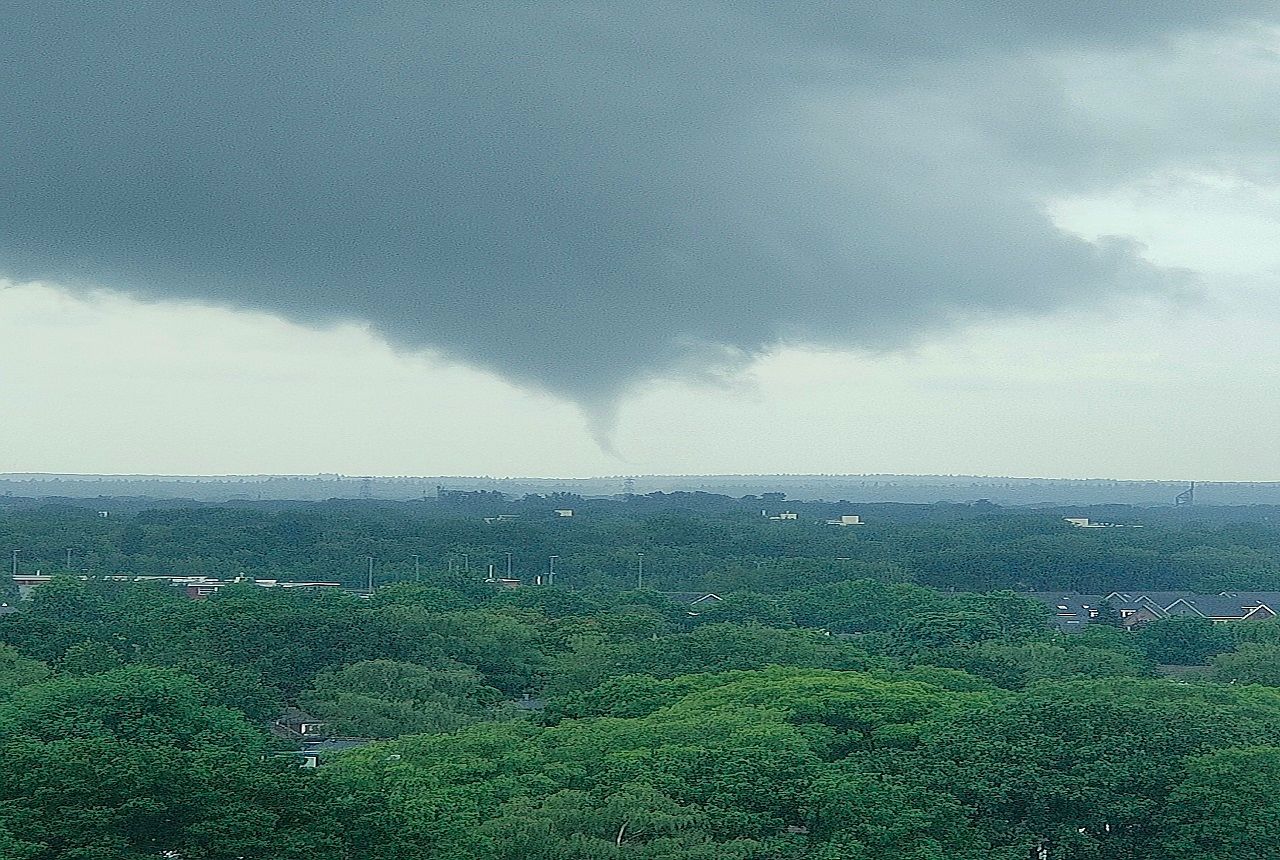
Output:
x=688 y=542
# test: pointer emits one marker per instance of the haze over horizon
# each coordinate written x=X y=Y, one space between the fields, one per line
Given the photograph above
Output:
x=589 y=239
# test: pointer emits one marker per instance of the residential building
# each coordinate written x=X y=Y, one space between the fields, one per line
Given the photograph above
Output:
x=1071 y=611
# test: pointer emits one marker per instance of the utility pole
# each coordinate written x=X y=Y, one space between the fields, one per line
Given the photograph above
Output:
x=370 y=573
x=640 y=570
x=551 y=571
x=417 y=568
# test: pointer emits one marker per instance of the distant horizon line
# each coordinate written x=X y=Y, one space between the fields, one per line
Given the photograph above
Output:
x=340 y=476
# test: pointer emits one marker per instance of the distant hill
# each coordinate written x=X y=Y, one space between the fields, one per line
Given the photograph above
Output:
x=854 y=488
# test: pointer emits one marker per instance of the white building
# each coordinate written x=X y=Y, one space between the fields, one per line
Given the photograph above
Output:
x=1086 y=523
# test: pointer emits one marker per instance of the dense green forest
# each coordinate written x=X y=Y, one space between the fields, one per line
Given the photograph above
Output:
x=942 y=725
x=823 y=710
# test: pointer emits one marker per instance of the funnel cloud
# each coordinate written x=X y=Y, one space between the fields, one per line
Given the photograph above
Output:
x=581 y=196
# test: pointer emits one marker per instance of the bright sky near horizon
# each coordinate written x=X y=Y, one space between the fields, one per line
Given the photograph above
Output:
x=899 y=261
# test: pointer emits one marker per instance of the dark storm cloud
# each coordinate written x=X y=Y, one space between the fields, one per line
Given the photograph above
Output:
x=577 y=195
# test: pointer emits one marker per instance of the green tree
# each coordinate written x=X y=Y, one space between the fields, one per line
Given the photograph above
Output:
x=1227 y=807
x=18 y=671
x=89 y=658
x=1185 y=640
x=1249 y=664
x=386 y=699
x=1015 y=665
x=132 y=764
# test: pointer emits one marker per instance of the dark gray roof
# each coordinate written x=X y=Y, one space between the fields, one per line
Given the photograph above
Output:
x=1215 y=606
x=1271 y=598
x=690 y=596
x=334 y=745
x=1160 y=598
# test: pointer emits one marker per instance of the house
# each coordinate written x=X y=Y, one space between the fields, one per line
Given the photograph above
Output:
x=1137 y=608
x=314 y=744
x=1072 y=611
x=846 y=520
x=563 y=512
x=195 y=587
x=27 y=582
x=692 y=598
x=1156 y=598
x=296 y=723
x=1086 y=523
x=695 y=600
x=529 y=703
x=1220 y=609
x=316 y=753
x=201 y=587
x=502 y=581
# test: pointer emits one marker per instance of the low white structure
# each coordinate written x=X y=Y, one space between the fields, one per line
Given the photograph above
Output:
x=564 y=512
x=847 y=520
x=1086 y=523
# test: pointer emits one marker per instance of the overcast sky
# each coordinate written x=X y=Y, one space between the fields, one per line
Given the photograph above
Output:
x=1023 y=238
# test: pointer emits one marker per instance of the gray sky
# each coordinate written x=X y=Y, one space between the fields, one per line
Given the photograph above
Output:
x=991 y=237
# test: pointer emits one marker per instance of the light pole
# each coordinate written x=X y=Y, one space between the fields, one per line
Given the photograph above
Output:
x=639 y=570
x=551 y=571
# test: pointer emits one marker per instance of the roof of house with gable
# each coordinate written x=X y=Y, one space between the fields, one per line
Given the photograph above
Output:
x=1221 y=607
